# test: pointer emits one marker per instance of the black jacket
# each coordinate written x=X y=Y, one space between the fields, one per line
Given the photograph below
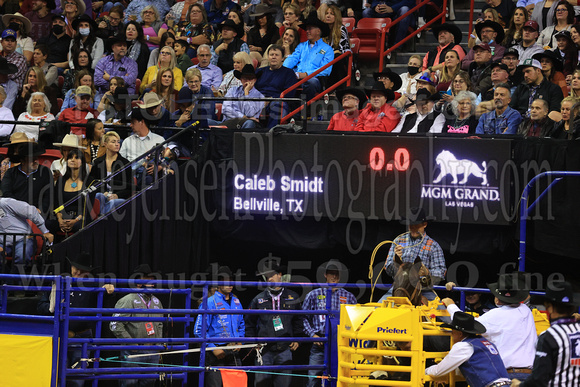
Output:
x=226 y=57
x=35 y=189
x=547 y=91
x=121 y=185
x=545 y=127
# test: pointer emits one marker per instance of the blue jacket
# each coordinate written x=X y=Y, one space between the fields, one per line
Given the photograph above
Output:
x=217 y=16
x=222 y=325
x=507 y=124
x=485 y=365
x=307 y=60
x=394 y=4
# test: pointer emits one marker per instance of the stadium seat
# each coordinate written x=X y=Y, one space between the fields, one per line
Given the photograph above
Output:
x=349 y=23
x=372 y=33
x=137 y=86
x=49 y=156
x=60 y=81
x=60 y=102
x=355 y=48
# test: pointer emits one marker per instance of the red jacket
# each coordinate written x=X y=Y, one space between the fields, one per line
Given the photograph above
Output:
x=344 y=123
x=383 y=120
x=76 y=116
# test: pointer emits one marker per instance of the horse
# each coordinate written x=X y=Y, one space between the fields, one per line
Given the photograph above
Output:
x=410 y=279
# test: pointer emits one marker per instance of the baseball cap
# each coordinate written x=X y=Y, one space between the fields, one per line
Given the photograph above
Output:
x=483 y=46
x=531 y=63
x=83 y=90
x=512 y=51
x=500 y=65
x=532 y=24
x=8 y=33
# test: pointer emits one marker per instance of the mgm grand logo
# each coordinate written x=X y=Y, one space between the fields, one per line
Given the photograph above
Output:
x=460 y=182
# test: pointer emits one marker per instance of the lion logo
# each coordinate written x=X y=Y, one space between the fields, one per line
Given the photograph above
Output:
x=450 y=165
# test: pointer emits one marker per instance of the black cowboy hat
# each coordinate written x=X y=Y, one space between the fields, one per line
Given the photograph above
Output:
x=246 y=70
x=231 y=24
x=554 y=57
x=466 y=323
x=313 y=20
x=450 y=27
x=50 y=4
x=30 y=149
x=510 y=288
x=145 y=271
x=425 y=95
x=119 y=38
x=83 y=262
x=84 y=18
x=271 y=268
x=360 y=94
x=560 y=293
x=493 y=25
x=380 y=87
x=224 y=272
x=394 y=77
x=261 y=10
x=7 y=67
x=415 y=215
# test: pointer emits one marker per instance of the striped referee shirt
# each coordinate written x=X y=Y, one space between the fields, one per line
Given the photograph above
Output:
x=557 y=361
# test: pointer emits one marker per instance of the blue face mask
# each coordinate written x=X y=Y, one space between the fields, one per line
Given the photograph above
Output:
x=84 y=31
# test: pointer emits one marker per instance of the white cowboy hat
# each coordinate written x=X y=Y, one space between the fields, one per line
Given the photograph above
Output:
x=27 y=24
x=150 y=99
x=70 y=141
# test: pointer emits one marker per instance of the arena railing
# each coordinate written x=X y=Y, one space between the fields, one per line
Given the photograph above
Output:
x=39 y=253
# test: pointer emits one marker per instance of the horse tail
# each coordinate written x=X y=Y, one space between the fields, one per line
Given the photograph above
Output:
x=484 y=165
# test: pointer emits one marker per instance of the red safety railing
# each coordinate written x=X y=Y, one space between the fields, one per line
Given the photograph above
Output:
x=346 y=80
x=471 y=10
x=441 y=16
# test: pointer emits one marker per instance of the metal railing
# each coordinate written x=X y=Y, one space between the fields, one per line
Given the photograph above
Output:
x=16 y=238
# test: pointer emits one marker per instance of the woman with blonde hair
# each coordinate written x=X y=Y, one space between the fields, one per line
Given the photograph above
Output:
x=167 y=59
x=240 y=60
x=575 y=84
x=449 y=71
x=338 y=37
x=564 y=129
x=34 y=81
x=38 y=109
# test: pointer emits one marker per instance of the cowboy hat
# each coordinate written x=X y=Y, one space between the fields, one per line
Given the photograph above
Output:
x=360 y=94
x=7 y=67
x=27 y=24
x=449 y=27
x=261 y=10
x=247 y=70
x=425 y=95
x=70 y=141
x=30 y=149
x=510 y=288
x=415 y=215
x=380 y=87
x=80 y=5
x=145 y=271
x=314 y=21
x=225 y=273
x=493 y=25
x=83 y=18
x=231 y=24
x=466 y=323
x=150 y=99
x=83 y=262
x=555 y=58
x=18 y=138
x=427 y=79
x=394 y=77
x=119 y=38
x=560 y=293
x=271 y=268
x=565 y=35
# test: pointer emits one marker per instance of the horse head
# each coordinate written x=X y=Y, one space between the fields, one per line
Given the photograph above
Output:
x=410 y=279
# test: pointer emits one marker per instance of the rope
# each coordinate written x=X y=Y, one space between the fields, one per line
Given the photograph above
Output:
x=193 y=350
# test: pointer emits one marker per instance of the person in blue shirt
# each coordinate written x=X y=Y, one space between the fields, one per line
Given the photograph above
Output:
x=246 y=112
x=218 y=10
x=221 y=325
x=503 y=119
x=393 y=9
x=311 y=55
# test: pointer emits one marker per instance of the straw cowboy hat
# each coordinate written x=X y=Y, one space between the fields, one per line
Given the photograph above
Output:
x=18 y=138
x=27 y=24
x=70 y=141
x=150 y=100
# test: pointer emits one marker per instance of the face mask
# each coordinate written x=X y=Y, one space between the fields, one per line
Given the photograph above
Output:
x=84 y=31
x=412 y=70
x=57 y=29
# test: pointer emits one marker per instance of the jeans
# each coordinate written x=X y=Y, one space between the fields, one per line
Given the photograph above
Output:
x=311 y=87
x=108 y=205
x=273 y=111
x=17 y=250
x=518 y=375
x=316 y=358
x=402 y=26
x=275 y=358
x=153 y=359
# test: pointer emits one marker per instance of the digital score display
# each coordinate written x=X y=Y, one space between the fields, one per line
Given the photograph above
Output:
x=372 y=177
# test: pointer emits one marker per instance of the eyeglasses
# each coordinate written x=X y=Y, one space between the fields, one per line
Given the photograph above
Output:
x=347 y=97
x=193 y=82
x=561 y=10
x=487 y=31
x=70 y=3
x=148 y=13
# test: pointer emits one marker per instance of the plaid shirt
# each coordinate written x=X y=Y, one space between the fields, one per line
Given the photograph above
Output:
x=428 y=250
x=316 y=300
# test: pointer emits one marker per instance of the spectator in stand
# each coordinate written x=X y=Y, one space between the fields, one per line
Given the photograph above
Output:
x=22 y=26
x=167 y=39
x=562 y=21
x=41 y=18
x=80 y=113
x=568 y=53
x=86 y=37
x=492 y=34
x=5 y=115
x=165 y=88
x=212 y=75
x=178 y=12
x=272 y=81
x=538 y=124
x=390 y=79
x=142 y=139
x=116 y=112
x=111 y=24
x=153 y=26
x=489 y=14
x=499 y=76
x=536 y=85
x=82 y=62
x=448 y=73
x=196 y=30
x=575 y=36
x=393 y=9
x=263 y=33
x=449 y=37
x=353 y=100
x=425 y=119
x=552 y=67
x=544 y=13
x=166 y=60
x=217 y=10
x=223 y=50
x=565 y=129
x=39 y=59
x=289 y=41
x=461 y=82
x=505 y=9
x=511 y=60
x=93 y=142
x=137 y=48
x=104 y=103
x=72 y=10
x=514 y=33
x=528 y=47
x=37 y=109
x=236 y=16
x=311 y=56
x=338 y=40
x=378 y=115
x=13 y=57
x=187 y=106
x=83 y=78
x=58 y=41
x=230 y=81
x=575 y=84
x=480 y=69
x=250 y=20
x=12 y=159
x=292 y=20
x=424 y=81
x=183 y=61
x=247 y=113
x=305 y=8
x=201 y=109
x=134 y=10
x=116 y=65
x=69 y=142
x=35 y=82
x=463 y=119
x=409 y=79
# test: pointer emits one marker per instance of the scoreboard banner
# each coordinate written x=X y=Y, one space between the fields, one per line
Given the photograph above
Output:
x=457 y=180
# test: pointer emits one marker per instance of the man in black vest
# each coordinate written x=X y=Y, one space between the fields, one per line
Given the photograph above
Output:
x=449 y=36
x=424 y=119
x=223 y=51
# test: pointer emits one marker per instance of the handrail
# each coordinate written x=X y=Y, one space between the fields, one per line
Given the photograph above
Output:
x=412 y=35
x=471 y=11
x=314 y=74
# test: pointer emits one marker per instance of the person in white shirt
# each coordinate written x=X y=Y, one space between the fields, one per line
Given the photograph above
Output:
x=510 y=326
x=142 y=139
